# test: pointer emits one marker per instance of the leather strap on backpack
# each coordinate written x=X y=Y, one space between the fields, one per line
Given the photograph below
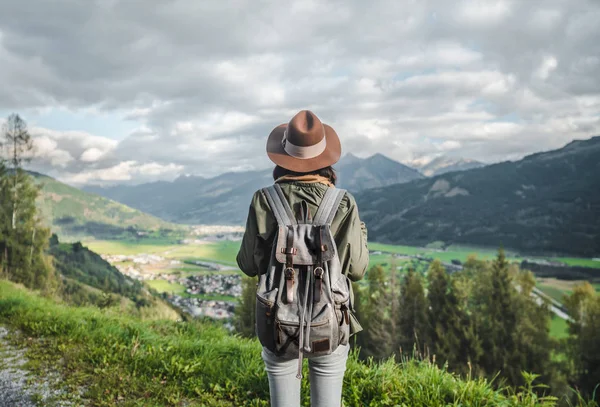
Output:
x=290 y=251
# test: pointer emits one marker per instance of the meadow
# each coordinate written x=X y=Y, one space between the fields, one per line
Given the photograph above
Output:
x=120 y=360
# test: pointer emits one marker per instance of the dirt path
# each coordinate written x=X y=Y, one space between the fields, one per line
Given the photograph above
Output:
x=18 y=387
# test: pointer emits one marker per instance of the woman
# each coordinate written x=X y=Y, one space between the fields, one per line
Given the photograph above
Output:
x=304 y=151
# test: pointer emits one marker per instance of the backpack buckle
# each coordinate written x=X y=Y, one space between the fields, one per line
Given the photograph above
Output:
x=318 y=272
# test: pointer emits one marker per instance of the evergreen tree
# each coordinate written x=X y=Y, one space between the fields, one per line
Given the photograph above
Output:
x=394 y=305
x=533 y=341
x=245 y=312
x=23 y=240
x=376 y=340
x=496 y=297
x=412 y=318
x=448 y=325
x=583 y=344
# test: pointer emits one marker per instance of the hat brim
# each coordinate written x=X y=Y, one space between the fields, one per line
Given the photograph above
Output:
x=276 y=153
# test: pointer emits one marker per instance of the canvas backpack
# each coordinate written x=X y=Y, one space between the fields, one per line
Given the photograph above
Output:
x=303 y=299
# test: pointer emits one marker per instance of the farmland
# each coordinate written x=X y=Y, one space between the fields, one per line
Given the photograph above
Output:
x=176 y=261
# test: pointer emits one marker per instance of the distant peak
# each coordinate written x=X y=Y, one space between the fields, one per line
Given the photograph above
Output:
x=187 y=177
x=379 y=157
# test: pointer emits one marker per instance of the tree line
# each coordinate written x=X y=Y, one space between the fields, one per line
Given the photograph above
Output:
x=482 y=321
x=29 y=255
x=23 y=238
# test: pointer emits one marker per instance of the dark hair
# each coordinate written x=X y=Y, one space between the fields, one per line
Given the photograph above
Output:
x=327 y=172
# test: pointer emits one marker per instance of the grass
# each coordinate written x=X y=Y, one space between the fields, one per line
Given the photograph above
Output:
x=219 y=252
x=126 y=247
x=574 y=261
x=554 y=292
x=120 y=360
x=558 y=328
x=163 y=286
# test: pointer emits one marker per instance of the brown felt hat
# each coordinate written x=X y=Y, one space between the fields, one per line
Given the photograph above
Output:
x=304 y=144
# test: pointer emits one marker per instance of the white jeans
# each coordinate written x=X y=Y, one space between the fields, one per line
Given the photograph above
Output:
x=326 y=376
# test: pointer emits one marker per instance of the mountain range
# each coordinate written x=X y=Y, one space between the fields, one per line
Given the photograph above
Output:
x=444 y=164
x=547 y=202
x=224 y=199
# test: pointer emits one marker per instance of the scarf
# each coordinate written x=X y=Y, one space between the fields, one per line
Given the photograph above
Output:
x=308 y=178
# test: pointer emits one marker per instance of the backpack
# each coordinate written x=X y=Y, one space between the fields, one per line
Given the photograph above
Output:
x=303 y=299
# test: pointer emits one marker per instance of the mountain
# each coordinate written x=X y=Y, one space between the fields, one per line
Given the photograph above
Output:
x=193 y=200
x=70 y=212
x=356 y=174
x=225 y=199
x=547 y=202
x=444 y=164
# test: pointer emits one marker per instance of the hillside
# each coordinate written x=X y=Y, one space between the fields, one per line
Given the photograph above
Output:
x=357 y=174
x=547 y=202
x=224 y=199
x=73 y=213
x=116 y=359
x=87 y=279
x=444 y=164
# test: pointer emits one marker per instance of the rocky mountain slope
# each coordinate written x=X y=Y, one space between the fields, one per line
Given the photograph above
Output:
x=444 y=164
x=547 y=202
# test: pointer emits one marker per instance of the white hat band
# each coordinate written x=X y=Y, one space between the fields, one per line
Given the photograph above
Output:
x=304 y=152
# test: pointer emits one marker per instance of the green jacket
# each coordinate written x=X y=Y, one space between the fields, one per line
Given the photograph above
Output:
x=349 y=232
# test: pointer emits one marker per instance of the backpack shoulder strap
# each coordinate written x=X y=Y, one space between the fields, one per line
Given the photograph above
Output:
x=329 y=205
x=279 y=205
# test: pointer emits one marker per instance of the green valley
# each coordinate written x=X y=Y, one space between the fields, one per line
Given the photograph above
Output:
x=75 y=214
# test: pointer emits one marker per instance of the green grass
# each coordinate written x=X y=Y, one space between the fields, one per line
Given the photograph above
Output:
x=120 y=360
x=452 y=253
x=558 y=328
x=61 y=201
x=574 y=261
x=219 y=252
x=163 y=286
x=126 y=247
x=553 y=292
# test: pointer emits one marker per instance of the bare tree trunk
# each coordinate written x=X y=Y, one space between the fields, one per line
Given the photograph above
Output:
x=32 y=244
x=6 y=265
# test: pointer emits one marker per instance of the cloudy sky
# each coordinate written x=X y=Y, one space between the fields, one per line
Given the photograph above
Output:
x=131 y=91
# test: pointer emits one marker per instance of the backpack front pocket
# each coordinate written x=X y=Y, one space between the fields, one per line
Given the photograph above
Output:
x=265 y=317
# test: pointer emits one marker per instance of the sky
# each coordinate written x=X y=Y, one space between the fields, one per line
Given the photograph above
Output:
x=134 y=91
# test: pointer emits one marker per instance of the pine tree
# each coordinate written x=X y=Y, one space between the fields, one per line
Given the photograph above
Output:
x=23 y=239
x=583 y=344
x=448 y=325
x=496 y=298
x=376 y=341
x=412 y=318
x=245 y=311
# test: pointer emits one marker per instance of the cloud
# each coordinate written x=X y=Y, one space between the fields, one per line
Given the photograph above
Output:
x=207 y=81
x=124 y=171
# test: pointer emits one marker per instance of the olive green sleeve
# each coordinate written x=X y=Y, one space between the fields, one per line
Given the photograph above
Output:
x=245 y=257
x=351 y=239
x=253 y=257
